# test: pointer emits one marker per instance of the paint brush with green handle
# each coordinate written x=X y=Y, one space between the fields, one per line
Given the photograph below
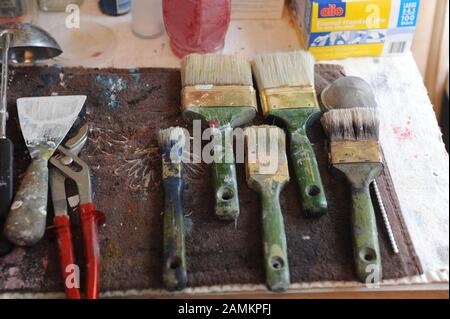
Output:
x=218 y=90
x=352 y=92
x=286 y=87
x=355 y=151
x=267 y=175
x=172 y=142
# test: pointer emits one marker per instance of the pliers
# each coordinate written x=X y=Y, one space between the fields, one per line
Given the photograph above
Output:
x=67 y=164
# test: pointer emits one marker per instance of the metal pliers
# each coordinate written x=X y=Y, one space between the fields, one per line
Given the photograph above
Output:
x=67 y=164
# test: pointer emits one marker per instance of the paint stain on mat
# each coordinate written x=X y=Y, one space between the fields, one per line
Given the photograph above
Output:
x=49 y=78
x=403 y=134
x=135 y=75
x=15 y=275
x=111 y=86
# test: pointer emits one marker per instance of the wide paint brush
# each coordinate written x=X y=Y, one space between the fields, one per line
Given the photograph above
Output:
x=355 y=151
x=352 y=92
x=267 y=173
x=218 y=90
x=286 y=87
x=172 y=142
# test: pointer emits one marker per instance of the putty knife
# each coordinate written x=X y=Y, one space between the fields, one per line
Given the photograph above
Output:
x=44 y=121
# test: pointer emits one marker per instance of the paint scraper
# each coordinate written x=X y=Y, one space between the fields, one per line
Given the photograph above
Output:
x=44 y=121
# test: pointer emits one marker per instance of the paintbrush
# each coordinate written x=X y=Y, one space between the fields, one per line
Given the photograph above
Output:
x=352 y=92
x=355 y=151
x=172 y=142
x=218 y=90
x=286 y=87
x=267 y=175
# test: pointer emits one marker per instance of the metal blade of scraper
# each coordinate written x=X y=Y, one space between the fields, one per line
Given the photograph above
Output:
x=44 y=121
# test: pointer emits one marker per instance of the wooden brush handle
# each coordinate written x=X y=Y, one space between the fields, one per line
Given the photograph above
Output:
x=365 y=237
x=314 y=202
x=26 y=221
x=224 y=178
x=274 y=239
x=174 y=273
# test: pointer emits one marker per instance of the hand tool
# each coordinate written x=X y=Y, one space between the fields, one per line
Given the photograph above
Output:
x=355 y=151
x=67 y=164
x=172 y=142
x=218 y=89
x=44 y=121
x=267 y=175
x=286 y=86
x=20 y=43
x=351 y=92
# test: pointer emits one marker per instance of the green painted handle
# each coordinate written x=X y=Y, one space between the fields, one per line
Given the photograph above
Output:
x=365 y=237
x=26 y=221
x=274 y=238
x=224 y=177
x=314 y=202
x=174 y=273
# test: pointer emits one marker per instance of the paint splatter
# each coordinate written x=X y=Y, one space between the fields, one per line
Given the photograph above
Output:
x=111 y=86
x=49 y=78
x=403 y=134
x=15 y=257
x=61 y=80
x=14 y=283
x=136 y=161
x=135 y=75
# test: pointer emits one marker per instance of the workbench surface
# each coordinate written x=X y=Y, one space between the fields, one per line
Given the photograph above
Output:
x=410 y=136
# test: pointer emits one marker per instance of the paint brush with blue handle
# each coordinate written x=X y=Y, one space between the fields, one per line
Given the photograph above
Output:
x=172 y=142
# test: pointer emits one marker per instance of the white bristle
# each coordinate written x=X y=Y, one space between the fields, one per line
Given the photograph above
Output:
x=357 y=124
x=338 y=124
x=284 y=69
x=366 y=123
x=215 y=69
x=173 y=136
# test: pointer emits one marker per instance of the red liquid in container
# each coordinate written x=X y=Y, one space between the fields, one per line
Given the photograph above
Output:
x=196 y=26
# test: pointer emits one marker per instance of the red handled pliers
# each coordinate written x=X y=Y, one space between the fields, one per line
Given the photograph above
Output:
x=67 y=164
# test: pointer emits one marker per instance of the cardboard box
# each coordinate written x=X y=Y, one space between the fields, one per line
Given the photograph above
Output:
x=257 y=9
x=335 y=29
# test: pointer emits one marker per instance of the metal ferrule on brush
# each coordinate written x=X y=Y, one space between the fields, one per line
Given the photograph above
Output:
x=352 y=152
x=289 y=97
x=218 y=96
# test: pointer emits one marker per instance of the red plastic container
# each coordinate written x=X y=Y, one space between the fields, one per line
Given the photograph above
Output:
x=196 y=26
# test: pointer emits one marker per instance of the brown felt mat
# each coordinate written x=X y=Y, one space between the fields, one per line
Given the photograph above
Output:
x=125 y=109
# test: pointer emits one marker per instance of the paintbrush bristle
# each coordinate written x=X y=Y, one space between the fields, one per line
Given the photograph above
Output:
x=173 y=138
x=357 y=124
x=284 y=69
x=215 y=69
x=265 y=148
